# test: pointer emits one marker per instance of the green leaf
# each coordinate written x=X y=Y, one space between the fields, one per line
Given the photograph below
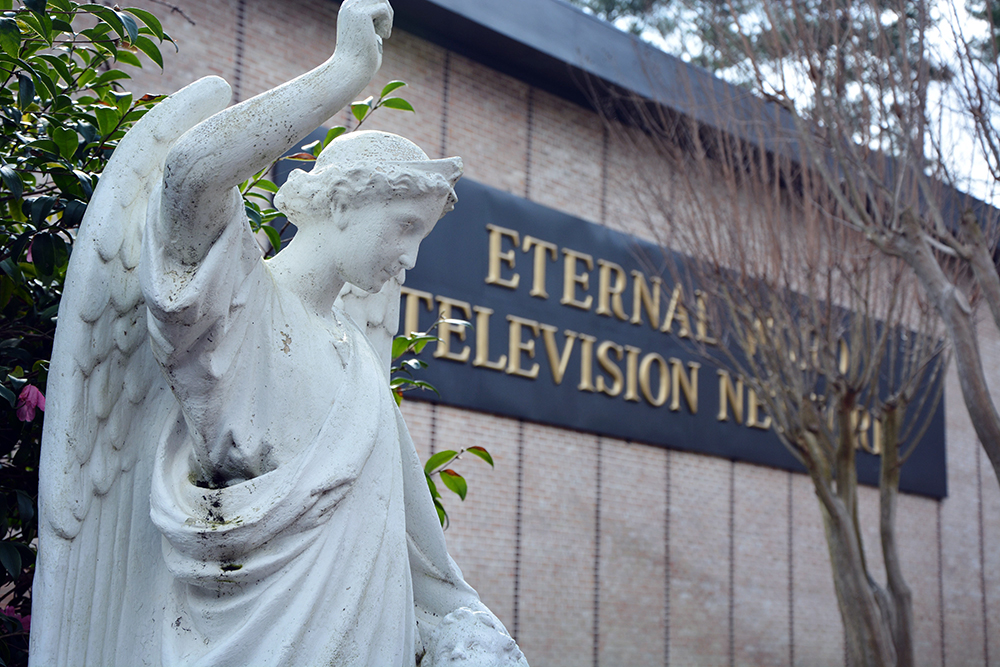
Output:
x=333 y=134
x=421 y=342
x=432 y=487
x=420 y=384
x=399 y=344
x=107 y=119
x=10 y=558
x=455 y=482
x=25 y=507
x=109 y=16
x=265 y=184
x=12 y=180
x=442 y=515
x=397 y=103
x=10 y=37
x=253 y=213
x=146 y=45
x=73 y=214
x=16 y=248
x=414 y=364
x=131 y=27
x=41 y=207
x=360 y=110
x=110 y=76
x=149 y=19
x=37 y=6
x=67 y=140
x=59 y=65
x=439 y=460
x=129 y=58
x=25 y=91
x=43 y=254
x=273 y=236
x=313 y=147
x=61 y=26
x=391 y=86
x=8 y=395
x=481 y=453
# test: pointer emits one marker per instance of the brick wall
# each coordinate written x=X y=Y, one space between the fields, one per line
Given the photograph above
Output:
x=592 y=550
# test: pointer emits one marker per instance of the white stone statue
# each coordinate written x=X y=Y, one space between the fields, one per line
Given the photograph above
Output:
x=226 y=479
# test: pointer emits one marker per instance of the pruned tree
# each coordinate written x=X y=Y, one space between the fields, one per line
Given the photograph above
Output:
x=831 y=336
x=865 y=95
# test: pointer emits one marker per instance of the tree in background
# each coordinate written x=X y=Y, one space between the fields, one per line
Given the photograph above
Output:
x=62 y=113
x=868 y=121
x=875 y=89
x=859 y=155
x=830 y=337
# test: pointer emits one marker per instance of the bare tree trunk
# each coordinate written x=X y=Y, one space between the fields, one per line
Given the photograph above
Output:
x=900 y=598
x=868 y=637
x=961 y=326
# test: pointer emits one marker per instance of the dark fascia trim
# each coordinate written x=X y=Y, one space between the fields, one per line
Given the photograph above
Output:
x=559 y=48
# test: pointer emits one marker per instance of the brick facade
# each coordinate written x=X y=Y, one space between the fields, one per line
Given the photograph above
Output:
x=592 y=550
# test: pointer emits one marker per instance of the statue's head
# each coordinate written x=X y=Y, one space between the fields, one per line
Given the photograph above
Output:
x=374 y=196
x=363 y=168
x=467 y=638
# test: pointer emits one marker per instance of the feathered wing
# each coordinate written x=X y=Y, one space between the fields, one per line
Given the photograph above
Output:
x=99 y=571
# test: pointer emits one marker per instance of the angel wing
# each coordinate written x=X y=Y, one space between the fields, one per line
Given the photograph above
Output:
x=99 y=564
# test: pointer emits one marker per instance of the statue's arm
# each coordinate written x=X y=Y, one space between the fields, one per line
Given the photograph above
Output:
x=207 y=163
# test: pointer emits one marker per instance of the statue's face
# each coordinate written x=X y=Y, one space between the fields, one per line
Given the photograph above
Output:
x=381 y=239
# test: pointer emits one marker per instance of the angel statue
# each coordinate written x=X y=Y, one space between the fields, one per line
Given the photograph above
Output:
x=225 y=477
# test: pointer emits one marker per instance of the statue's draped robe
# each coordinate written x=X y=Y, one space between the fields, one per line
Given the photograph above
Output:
x=319 y=538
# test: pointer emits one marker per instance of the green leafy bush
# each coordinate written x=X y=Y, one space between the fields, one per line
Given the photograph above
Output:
x=62 y=112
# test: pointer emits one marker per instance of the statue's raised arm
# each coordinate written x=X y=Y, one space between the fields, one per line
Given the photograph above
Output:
x=207 y=163
x=225 y=476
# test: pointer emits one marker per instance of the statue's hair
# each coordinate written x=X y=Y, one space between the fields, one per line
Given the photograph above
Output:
x=333 y=190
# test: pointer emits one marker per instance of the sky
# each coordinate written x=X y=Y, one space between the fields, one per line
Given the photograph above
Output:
x=963 y=157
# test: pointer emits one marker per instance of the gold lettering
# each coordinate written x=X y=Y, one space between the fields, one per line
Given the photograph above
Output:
x=754 y=406
x=517 y=346
x=445 y=330
x=538 y=275
x=631 y=364
x=610 y=368
x=642 y=295
x=498 y=255
x=610 y=296
x=676 y=310
x=684 y=383
x=571 y=279
x=482 y=359
x=844 y=357
x=861 y=421
x=411 y=319
x=586 y=363
x=558 y=361
x=730 y=397
x=702 y=322
x=663 y=390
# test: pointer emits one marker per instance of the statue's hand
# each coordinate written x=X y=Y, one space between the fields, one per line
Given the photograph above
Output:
x=361 y=27
x=467 y=638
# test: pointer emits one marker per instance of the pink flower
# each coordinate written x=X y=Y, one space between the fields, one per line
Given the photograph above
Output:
x=29 y=399
x=27 y=257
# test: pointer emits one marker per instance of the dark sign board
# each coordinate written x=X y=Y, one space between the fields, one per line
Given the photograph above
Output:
x=553 y=343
